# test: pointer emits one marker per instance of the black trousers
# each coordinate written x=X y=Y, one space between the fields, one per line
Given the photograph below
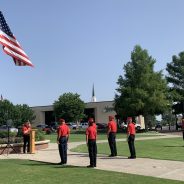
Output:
x=131 y=139
x=63 y=149
x=26 y=143
x=183 y=134
x=112 y=143
x=92 y=149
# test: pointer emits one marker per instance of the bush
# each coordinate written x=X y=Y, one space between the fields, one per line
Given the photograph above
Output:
x=48 y=132
x=39 y=135
x=14 y=138
x=4 y=134
x=11 y=140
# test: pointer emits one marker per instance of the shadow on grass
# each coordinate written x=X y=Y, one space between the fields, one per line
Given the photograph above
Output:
x=56 y=165
x=174 y=146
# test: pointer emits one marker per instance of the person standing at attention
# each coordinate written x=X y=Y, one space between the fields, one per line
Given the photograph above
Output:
x=111 y=135
x=26 y=129
x=62 y=140
x=92 y=120
x=182 y=126
x=131 y=137
x=91 y=136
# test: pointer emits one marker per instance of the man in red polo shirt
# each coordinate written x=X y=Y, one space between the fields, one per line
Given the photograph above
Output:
x=62 y=139
x=131 y=137
x=182 y=126
x=92 y=121
x=111 y=134
x=91 y=135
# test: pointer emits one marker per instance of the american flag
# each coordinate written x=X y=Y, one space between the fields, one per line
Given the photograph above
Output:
x=11 y=45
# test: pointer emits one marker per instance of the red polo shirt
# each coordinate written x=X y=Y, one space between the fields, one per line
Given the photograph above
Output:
x=112 y=126
x=63 y=130
x=94 y=125
x=91 y=132
x=182 y=124
x=131 y=128
x=26 y=130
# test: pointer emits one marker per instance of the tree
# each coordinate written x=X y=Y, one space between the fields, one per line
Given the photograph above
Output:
x=175 y=77
x=168 y=118
x=6 y=111
x=22 y=114
x=70 y=107
x=141 y=91
x=17 y=113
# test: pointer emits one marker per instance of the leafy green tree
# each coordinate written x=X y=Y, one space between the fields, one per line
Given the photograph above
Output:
x=70 y=107
x=23 y=113
x=6 y=111
x=175 y=77
x=168 y=118
x=141 y=91
x=17 y=113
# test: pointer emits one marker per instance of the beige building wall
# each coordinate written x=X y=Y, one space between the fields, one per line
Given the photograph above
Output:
x=101 y=111
x=39 y=112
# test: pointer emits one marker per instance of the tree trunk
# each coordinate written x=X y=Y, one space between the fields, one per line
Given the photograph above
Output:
x=176 y=122
x=146 y=121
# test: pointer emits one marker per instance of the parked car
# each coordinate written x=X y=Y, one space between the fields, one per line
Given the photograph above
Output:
x=11 y=129
x=54 y=126
x=69 y=125
x=41 y=126
x=101 y=126
x=84 y=125
x=124 y=126
x=44 y=127
x=72 y=125
x=48 y=128
x=158 y=126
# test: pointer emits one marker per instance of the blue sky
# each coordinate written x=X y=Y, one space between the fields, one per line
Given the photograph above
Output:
x=75 y=43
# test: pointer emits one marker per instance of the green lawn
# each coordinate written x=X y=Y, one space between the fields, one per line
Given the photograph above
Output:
x=166 y=149
x=78 y=137
x=30 y=172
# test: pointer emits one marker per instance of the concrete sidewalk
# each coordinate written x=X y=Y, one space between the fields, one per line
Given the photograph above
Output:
x=141 y=166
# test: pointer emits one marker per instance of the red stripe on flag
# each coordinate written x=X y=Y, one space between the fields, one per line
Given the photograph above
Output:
x=17 y=58
x=14 y=50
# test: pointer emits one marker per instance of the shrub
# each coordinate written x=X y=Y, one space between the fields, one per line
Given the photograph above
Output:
x=11 y=140
x=39 y=135
x=14 y=138
x=4 y=134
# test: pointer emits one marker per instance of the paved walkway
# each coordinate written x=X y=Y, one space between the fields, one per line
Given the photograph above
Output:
x=141 y=166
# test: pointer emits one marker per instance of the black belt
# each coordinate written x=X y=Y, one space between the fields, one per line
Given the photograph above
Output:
x=62 y=136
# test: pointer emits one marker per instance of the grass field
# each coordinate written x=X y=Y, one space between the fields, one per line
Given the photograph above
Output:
x=78 y=137
x=166 y=149
x=31 y=172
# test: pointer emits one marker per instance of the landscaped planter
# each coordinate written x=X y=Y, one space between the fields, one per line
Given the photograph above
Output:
x=18 y=147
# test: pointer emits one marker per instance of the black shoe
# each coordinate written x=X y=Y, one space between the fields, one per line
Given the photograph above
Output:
x=90 y=166
x=111 y=155
x=60 y=163
x=131 y=157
